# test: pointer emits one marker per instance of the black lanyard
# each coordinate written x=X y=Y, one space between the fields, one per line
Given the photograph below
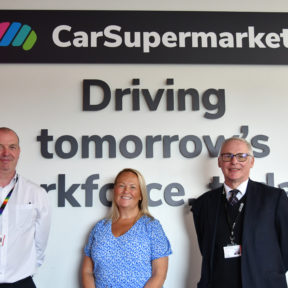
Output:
x=229 y=220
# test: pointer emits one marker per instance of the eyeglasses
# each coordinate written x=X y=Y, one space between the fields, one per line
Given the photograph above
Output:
x=241 y=157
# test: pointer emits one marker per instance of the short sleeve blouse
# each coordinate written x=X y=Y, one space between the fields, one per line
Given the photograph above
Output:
x=126 y=261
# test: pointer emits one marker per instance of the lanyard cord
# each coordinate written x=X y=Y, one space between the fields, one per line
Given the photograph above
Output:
x=5 y=202
x=229 y=220
x=232 y=227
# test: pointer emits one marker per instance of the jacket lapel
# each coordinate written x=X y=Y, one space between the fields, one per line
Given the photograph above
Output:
x=214 y=217
x=250 y=216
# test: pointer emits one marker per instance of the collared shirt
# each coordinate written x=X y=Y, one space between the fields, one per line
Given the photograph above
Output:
x=24 y=228
x=242 y=188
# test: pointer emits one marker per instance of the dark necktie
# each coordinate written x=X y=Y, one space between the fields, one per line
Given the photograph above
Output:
x=233 y=199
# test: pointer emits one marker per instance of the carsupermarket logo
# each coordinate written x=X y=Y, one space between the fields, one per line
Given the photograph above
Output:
x=15 y=34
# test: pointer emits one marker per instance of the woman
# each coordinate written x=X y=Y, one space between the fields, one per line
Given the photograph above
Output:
x=130 y=249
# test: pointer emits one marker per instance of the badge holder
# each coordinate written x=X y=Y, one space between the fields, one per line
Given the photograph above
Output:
x=233 y=250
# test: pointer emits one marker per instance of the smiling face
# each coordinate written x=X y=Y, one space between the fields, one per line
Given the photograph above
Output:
x=235 y=172
x=9 y=153
x=127 y=193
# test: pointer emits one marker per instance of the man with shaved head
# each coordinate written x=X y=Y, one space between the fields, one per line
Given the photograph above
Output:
x=24 y=218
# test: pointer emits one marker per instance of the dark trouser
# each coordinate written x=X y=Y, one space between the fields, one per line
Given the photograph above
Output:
x=24 y=283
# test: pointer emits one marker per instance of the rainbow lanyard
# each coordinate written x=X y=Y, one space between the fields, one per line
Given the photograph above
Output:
x=7 y=198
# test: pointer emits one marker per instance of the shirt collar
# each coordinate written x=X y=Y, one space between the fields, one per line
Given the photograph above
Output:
x=242 y=188
x=11 y=183
x=13 y=180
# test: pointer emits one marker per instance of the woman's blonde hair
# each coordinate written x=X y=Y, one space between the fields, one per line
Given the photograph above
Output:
x=143 y=203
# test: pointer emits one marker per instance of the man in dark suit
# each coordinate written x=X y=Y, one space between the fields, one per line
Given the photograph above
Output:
x=242 y=234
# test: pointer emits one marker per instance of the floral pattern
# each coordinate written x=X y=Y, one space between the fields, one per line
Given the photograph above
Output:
x=126 y=261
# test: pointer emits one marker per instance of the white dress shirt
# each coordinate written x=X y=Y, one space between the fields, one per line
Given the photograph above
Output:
x=24 y=228
x=242 y=190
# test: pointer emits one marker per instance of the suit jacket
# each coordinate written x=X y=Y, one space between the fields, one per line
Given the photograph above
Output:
x=264 y=259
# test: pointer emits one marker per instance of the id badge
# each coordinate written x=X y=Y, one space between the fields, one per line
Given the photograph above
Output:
x=232 y=251
x=2 y=238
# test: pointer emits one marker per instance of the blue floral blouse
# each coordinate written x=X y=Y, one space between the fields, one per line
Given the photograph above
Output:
x=126 y=261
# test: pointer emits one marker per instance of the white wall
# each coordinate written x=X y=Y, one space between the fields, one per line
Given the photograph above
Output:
x=35 y=97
